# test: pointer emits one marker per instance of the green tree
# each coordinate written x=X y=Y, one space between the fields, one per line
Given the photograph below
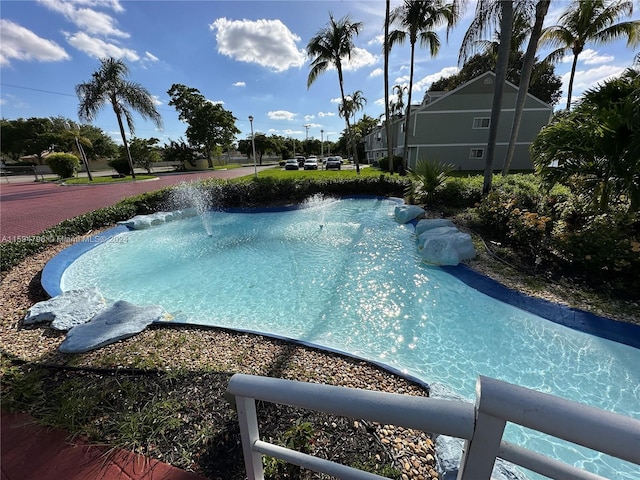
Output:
x=416 y=21
x=210 y=125
x=589 y=21
x=109 y=85
x=329 y=47
x=352 y=104
x=145 y=152
x=595 y=149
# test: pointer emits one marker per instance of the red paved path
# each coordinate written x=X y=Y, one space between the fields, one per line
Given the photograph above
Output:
x=30 y=452
x=29 y=208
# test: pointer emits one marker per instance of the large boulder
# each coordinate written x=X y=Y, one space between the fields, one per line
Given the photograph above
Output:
x=406 y=213
x=120 y=320
x=447 y=247
x=431 y=223
x=68 y=309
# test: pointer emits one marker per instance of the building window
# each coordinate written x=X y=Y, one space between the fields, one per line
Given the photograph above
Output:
x=481 y=122
x=476 y=153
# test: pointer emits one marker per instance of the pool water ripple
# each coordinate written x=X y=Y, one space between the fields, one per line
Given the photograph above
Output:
x=345 y=275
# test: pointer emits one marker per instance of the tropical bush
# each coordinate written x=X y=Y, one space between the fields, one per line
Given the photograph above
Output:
x=120 y=165
x=426 y=178
x=383 y=163
x=65 y=165
x=595 y=148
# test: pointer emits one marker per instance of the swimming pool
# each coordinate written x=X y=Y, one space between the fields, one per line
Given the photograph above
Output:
x=343 y=274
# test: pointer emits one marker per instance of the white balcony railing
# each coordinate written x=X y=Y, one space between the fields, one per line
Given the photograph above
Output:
x=481 y=425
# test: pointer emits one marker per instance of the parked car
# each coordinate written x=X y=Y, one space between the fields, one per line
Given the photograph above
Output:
x=291 y=164
x=333 y=162
x=311 y=163
x=300 y=161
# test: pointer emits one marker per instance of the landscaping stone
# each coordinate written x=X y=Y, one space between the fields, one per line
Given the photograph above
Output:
x=431 y=223
x=120 y=320
x=406 y=213
x=67 y=310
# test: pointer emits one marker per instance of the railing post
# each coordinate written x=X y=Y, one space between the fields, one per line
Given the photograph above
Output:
x=481 y=450
x=249 y=433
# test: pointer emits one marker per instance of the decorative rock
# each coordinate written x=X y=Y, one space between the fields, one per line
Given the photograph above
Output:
x=120 y=320
x=67 y=310
x=434 y=232
x=141 y=222
x=406 y=213
x=431 y=223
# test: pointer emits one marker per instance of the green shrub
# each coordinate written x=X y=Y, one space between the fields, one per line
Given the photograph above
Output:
x=65 y=165
x=460 y=192
x=427 y=177
x=383 y=163
x=120 y=165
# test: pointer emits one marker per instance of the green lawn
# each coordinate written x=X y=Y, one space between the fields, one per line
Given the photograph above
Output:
x=280 y=173
x=105 y=180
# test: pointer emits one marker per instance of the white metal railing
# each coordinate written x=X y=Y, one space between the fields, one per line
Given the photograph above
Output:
x=481 y=425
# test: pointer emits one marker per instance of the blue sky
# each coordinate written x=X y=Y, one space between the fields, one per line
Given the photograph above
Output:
x=249 y=55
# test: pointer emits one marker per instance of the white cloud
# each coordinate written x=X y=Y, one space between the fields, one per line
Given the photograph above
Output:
x=359 y=58
x=309 y=117
x=377 y=40
x=150 y=57
x=94 y=47
x=88 y=20
x=156 y=100
x=19 y=43
x=403 y=80
x=425 y=82
x=281 y=115
x=292 y=132
x=313 y=125
x=268 y=43
x=337 y=100
x=585 y=79
x=326 y=114
x=240 y=84
x=376 y=73
x=591 y=57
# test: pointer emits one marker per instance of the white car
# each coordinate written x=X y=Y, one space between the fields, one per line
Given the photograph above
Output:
x=333 y=162
x=311 y=163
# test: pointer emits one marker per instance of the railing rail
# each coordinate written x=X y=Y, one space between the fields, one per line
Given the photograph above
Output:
x=481 y=425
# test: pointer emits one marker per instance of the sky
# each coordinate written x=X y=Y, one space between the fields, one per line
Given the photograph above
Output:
x=250 y=56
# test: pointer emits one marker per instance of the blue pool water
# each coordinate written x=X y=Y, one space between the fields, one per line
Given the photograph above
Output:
x=343 y=274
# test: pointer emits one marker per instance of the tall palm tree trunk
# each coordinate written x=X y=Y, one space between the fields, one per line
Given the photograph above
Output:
x=405 y=151
x=346 y=119
x=542 y=7
x=387 y=122
x=124 y=141
x=574 y=65
x=498 y=91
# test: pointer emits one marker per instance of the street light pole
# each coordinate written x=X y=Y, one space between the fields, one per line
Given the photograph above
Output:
x=253 y=147
x=321 y=143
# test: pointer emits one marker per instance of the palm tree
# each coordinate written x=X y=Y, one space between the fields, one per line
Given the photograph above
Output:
x=489 y=13
x=387 y=120
x=330 y=46
x=589 y=21
x=109 y=84
x=542 y=7
x=398 y=106
x=353 y=103
x=417 y=20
